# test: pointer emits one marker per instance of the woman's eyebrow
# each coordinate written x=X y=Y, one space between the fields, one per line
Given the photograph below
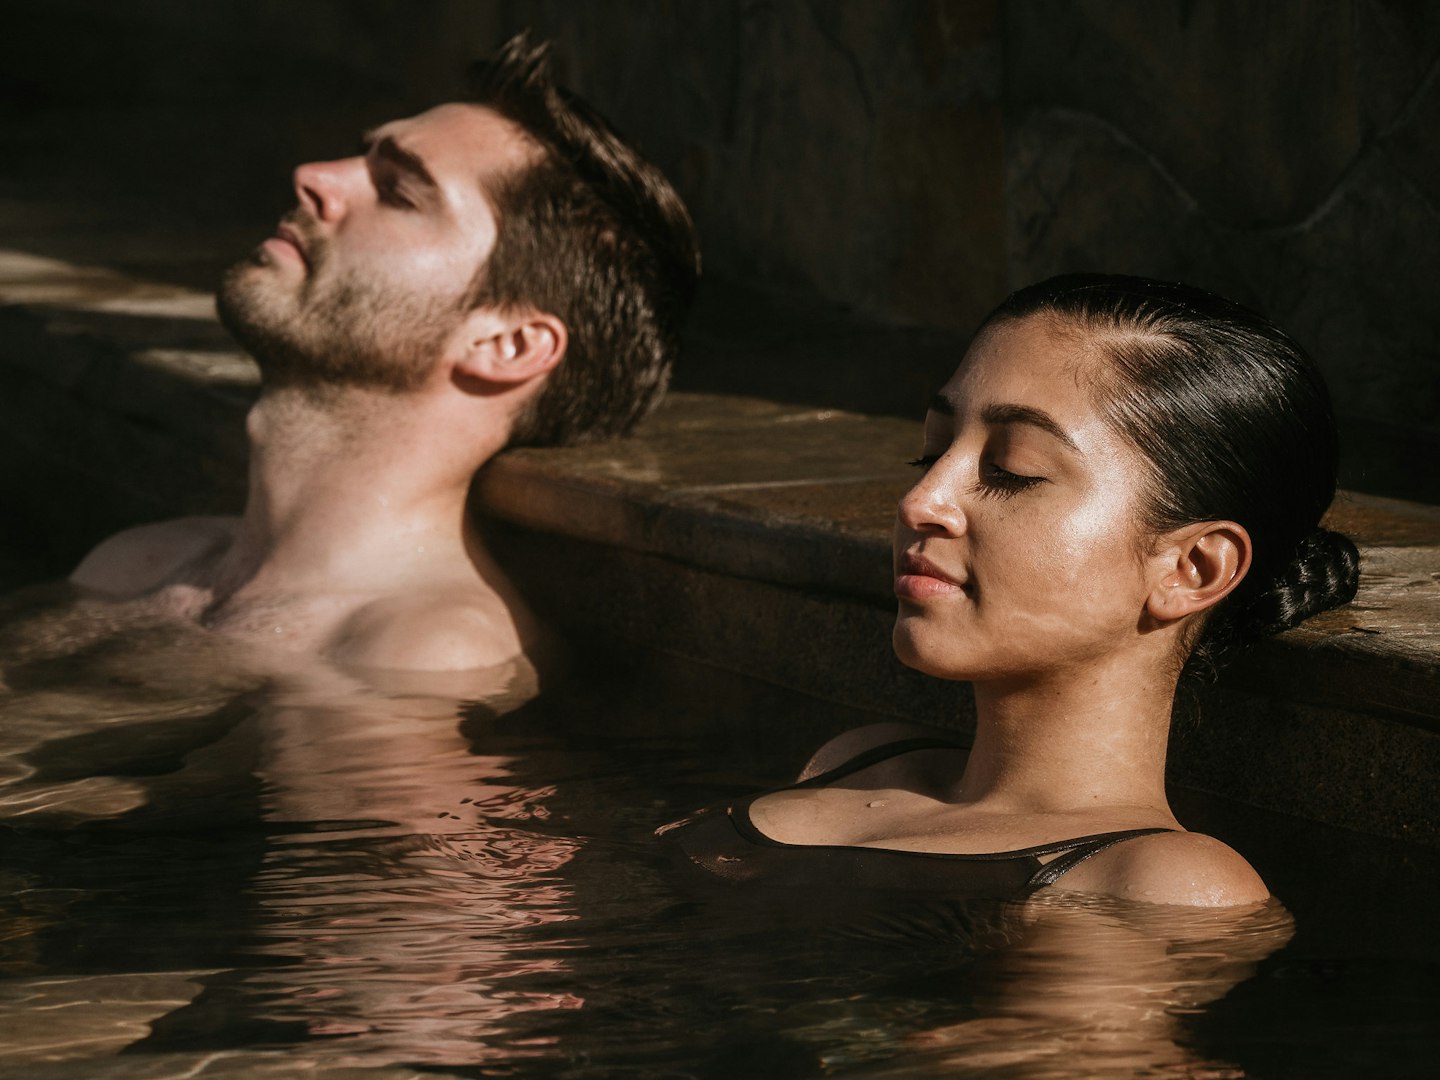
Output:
x=1023 y=414
x=1000 y=414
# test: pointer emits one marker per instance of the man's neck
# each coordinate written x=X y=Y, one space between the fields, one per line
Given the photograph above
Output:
x=354 y=489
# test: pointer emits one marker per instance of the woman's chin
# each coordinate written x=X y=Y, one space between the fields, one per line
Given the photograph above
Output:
x=929 y=656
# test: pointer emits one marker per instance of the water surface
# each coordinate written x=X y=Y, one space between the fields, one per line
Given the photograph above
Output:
x=207 y=872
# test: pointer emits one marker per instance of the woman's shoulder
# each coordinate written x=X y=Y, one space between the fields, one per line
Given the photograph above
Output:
x=1170 y=868
x=847 y=746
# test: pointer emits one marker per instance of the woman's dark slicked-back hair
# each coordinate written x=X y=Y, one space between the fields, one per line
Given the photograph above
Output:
x=593 y=234
x=1236 y=424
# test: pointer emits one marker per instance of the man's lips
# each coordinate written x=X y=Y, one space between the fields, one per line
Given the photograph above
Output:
x=289 y=238
x=917 y=578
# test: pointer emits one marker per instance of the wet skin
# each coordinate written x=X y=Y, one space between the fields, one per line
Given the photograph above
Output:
x=1017 y=552
x=370 y=272
x=1021 y=566
x=382 y=394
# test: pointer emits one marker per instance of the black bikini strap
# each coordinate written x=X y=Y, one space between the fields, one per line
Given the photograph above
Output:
x=1090 y=845
x=877 y=754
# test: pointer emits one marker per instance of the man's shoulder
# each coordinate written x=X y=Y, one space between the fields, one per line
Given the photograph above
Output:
x=146 y=557
x=430 y=630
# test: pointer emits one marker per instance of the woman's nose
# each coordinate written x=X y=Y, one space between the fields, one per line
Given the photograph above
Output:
x=324 y=187
x=932 y=506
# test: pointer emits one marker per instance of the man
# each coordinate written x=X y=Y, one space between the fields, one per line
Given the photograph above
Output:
x=493 y=272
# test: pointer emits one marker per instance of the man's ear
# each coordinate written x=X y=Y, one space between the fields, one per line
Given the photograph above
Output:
x=1196 y=567
x=509 y=347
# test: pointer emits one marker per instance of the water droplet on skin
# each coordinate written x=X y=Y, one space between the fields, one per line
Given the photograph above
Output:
x=877 y=802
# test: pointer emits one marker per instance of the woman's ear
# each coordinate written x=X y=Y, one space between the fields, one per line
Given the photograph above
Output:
x=509 y=347
x=1197 y=567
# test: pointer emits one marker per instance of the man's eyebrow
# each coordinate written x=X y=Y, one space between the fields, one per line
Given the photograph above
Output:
x=386 y=147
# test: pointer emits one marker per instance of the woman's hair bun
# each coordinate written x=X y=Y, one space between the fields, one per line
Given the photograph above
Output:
x=1324 y=573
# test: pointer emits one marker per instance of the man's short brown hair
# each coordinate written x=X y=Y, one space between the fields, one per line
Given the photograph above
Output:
x=593 y=234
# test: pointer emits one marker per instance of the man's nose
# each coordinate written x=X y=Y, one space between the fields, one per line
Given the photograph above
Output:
x=325 y=188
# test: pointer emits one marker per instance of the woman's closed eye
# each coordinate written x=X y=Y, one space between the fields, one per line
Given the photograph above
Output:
x=1003 y=483
x=993 y=480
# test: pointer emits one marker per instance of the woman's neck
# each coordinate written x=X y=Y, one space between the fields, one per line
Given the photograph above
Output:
x=1072 y=741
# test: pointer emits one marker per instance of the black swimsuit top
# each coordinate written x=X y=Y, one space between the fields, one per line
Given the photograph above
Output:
x=725 y=842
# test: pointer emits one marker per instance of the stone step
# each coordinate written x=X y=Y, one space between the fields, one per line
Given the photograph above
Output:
x=756 y=536
x=746 y=533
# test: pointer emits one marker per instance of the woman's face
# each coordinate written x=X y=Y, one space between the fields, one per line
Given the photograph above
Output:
x=1017 y=552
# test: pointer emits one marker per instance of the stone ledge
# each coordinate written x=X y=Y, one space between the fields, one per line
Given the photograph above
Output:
x=132 y=384
x=122 y=393
x=797 y=497
x=744 y=532
x=805 y=499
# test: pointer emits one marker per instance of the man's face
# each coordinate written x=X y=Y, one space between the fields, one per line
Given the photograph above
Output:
x=366 y=279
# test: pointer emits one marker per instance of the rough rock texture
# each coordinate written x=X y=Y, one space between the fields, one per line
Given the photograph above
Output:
x=121 y=400
x=1281 y=154
x=905 y=162
x=740 y=532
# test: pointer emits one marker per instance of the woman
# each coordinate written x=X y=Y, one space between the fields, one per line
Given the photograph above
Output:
x=1122 y=481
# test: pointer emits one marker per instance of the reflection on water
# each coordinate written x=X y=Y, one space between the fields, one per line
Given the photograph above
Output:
x=207 y=873
x=1099 y=988
x=397 y=887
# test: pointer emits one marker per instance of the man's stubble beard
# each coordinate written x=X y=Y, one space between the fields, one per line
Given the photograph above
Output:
x=352 y=331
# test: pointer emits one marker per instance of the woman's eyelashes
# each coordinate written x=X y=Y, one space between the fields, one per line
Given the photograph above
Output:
x=1002 y=483
x=992 y=479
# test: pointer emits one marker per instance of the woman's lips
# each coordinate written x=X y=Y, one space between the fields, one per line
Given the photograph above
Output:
x=920 y=579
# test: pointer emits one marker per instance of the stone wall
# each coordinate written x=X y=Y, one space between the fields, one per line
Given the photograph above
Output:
x=1282 y=153
x=905 y=162
x=850 y=151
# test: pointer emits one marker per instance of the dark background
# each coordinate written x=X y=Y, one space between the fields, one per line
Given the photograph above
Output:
x=869 y=177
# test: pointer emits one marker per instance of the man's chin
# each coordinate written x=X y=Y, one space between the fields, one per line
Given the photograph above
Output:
x=250 y=312
x=251 y=291
x=330 y=343
x=257 y=258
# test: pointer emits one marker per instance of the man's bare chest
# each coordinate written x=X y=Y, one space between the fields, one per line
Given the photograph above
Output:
x=286 y=620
